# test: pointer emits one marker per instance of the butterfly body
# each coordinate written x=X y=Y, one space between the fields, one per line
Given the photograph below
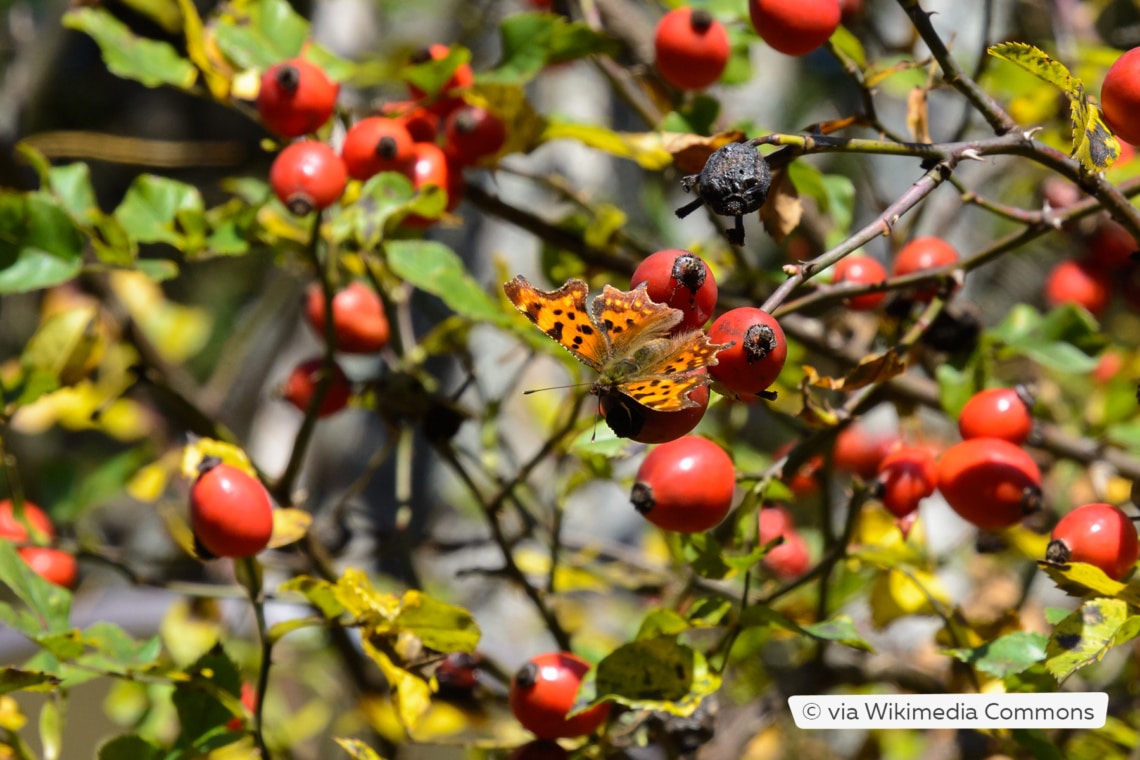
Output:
x=624 y=337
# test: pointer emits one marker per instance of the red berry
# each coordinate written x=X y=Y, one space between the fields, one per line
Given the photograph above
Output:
x=359 y=320
x=376 y=144
x=1077 y=282
x=1120 y=96
x=691 y=48
x=860 y=452
x=296 y=98
x=473 y=133
x=794 y=28
x=540 y=749
x=908 y=474
x=804 y=482
x=230 y=510
x=997 y=413
x=682 y=280
x=422 y=124
x=302 y=384
x=249 y=700
x=789 y=559
x=1099 y=534
x=52 y=565
x=774 y=520
x=863 y=270
x=1108 y=367
x=543 y=692
x=989 y=482
x=685 y=485
x=14 y=530
x=1060 y=193
x=431 y=167
x=1111 y=246
x=308 y=176
x=459 y=672
x=446 y=100
x=629 y=419
x=757 y=354
x=921 y=255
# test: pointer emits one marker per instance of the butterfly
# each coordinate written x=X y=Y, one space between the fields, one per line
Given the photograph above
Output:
x=624 y=337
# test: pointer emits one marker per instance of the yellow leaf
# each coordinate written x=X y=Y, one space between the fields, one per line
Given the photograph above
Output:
x=190 y=631
x=357 y=749
x=148 y=484
x=646 y=149
x=356 y=593
x=11 y=719
x=896 y=594
x=216 y=80
x=196 y=451
x=1037 y=62
x=1093 y=142
x=178 y=528
x=412 y=694
x=178 y=332
x=289 y=526
x=67 y=345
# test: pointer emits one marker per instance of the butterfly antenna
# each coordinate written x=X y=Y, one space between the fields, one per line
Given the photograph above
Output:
x=554 y=388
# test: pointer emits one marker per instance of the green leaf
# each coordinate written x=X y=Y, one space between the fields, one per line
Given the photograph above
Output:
x=709 y=560
x=1066 y=340
x=50 y=604
x=116 y=651
x=64 y=346
x=1084 y=636
x=840 y=200
x=432 y=75
x=656 y=674
x=146 y=61
x=198 y=701
x=71 y=185
x=14 y=679
x=662 y=622
x=848 y=45
x=255 y=34
x=320 y=593
x=161 y=210
x=107 y=481
x=1005 y=655
x=357 y=749
x=434 y=268
x=40 y=246
x=51 y=729
x=840 y=629
x=129 y=747
x=1037 y=62
x=440 y=626
x=530 y=41
x=957 y=385
x=648 y=153
x=1040 y=745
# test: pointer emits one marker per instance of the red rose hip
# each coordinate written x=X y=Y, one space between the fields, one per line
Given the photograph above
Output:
x=923 y=254
x=997 y=413
x=1120 y=96
x=295 y=98
x=862 y=270
x=359 y=320
x=680 y=279
x=685 y=485
x=794 y=28
x=230 y=510
x=989 y=482
x=543 y=691
x=308 y=176
x=302 y=383
x=1099 y=534
x=691 y=48
x=376 y=144
x=757 y=352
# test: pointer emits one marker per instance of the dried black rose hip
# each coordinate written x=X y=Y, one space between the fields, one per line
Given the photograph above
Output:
x=734 y=182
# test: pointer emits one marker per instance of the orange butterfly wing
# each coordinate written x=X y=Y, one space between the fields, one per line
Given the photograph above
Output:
x=563 y=316
x=624 y=336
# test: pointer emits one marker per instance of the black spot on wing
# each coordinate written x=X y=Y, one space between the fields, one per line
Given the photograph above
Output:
x=555 y=331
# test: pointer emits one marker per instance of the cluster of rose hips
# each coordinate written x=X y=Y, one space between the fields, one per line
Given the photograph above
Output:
x=921 y=254
x=692 y=48
x=1107 y=267
x=427 y=139
x=54 y=565
x=757 y=347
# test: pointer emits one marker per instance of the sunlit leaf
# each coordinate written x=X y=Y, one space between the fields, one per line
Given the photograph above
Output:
x=321 y=593
x=1038 y=63
x=14 y=679
x=289 y=526
x=1083 y=579
x=648 y=153
x=440 y=626
x=655 y=674
x=434 y=268
x=41 y=246
x=67 y=346
x=1084 y=636
x=256 y=34
x=840 y=629
x=412 y=694
x=217 y=80
x=531 y=41
x=357 y=749
x=1005 y=655
x=197 y=450
x=896 y=594
x=49 y=603
x=783 y=209
x=149 y=62
x=51 y=730
x=1094 y=145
